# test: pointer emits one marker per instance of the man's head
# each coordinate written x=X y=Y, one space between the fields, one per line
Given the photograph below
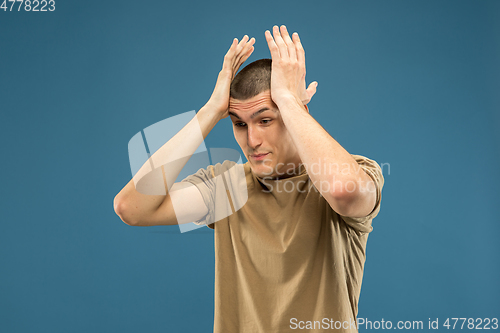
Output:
x=251 y=80
x=257 y=123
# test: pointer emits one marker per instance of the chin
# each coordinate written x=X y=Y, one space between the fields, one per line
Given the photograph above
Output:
x=262 y=169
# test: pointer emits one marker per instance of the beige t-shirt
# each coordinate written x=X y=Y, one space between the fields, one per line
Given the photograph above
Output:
x=285 y=261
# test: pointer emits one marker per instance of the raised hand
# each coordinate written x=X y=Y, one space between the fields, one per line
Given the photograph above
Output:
x=288 y=75
x=237 y=54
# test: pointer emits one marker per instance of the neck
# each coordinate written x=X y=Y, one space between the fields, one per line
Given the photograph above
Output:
x=291 y=171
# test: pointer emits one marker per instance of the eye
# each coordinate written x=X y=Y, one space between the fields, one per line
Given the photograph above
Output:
x=266 y=121
x=239 y=124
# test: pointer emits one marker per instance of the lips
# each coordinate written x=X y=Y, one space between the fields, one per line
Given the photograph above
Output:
x=258 y=156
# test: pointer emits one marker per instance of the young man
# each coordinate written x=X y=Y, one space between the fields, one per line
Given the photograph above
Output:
x=292 y=256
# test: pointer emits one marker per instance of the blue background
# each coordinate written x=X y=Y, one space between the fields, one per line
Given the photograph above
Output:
x=411 y=83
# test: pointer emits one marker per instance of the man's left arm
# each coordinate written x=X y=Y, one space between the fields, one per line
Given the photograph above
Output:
x=347 y=188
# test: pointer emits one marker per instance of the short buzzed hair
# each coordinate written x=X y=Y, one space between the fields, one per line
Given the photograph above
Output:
x=252 y=80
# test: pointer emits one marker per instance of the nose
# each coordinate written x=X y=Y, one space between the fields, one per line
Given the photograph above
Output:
x=254 y=138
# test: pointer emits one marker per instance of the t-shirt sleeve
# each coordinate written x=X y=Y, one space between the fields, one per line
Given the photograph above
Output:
x=364 y=224
x=203 y=179
x=216 y=183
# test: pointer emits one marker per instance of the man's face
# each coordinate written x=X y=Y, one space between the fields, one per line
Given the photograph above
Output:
x=263 y=137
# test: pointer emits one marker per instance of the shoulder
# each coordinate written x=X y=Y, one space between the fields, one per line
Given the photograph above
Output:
x=221 y=168
x=226 y=174
x=210 y=172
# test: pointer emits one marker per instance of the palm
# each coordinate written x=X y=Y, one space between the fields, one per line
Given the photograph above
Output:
x=289 y=68
x=237 y=54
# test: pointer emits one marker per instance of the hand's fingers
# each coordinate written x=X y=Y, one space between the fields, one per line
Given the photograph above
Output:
x=301 y=55
x=280 y=43
x=235 y=47
x=242 y=60
x=240 y=45
x=229 y=54
x=288 y=41
x=273 y=48
x=243 y=41
x=246 y=55
x=244 y=49
x=243 y=53
x=247 y=50
x=233 y=52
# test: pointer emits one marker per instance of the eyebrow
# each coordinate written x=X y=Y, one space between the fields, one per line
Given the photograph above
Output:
x=255 y=114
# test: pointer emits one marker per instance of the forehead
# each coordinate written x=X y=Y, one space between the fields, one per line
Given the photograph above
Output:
x=252 y=104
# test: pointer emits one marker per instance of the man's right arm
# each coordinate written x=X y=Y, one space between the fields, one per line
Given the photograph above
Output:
x=136 y=204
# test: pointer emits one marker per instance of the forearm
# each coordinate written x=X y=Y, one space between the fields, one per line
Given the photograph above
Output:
x=174 y=154
x=148 y=188
x=330 y=167
x=333 y=171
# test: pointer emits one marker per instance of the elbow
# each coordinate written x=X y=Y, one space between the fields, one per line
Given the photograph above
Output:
x=343 y=196
x=353 y=203
x=340 y=204
x=342 y=191
x=122 y=210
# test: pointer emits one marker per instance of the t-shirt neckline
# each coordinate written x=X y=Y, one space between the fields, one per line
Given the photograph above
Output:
x=302 y=171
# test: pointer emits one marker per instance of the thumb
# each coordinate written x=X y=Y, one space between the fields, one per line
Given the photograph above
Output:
x=311 y=90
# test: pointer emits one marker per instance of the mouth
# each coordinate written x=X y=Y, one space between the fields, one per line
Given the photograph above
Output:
x=259 y=157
